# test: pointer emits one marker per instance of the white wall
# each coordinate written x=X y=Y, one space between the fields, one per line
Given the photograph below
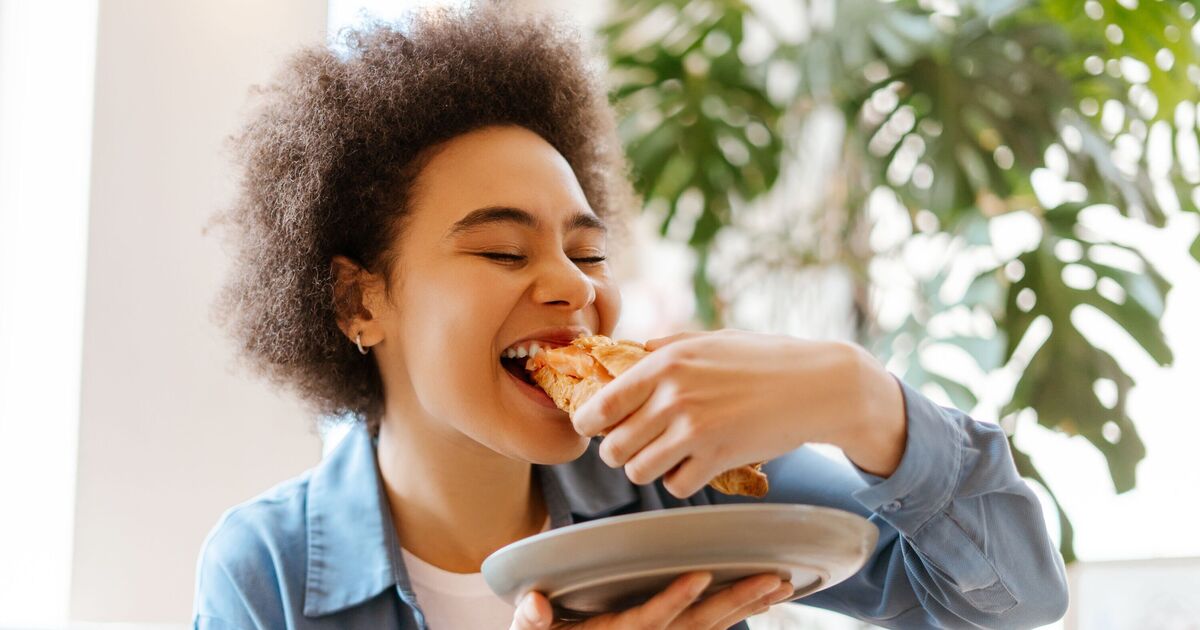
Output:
x=169 y=434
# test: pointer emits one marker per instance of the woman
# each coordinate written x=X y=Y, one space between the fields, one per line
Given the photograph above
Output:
x=439 y=193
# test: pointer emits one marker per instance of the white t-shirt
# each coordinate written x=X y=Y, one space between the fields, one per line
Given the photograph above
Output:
x=457 y=600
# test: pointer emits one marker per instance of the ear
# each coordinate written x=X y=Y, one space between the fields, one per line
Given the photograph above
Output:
x=356 y=294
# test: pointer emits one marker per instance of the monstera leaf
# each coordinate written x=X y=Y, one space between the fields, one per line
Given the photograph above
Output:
x=697 y=120
x=1060 y=382
x=1139 y=67
x=957 y=109
x=1072 y=385
x=1155 y=35
x=962 y=127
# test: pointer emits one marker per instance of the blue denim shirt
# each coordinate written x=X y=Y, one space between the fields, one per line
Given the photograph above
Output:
x=962 y=541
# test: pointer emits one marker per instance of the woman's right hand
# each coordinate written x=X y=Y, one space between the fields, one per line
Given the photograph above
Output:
x=671 y=609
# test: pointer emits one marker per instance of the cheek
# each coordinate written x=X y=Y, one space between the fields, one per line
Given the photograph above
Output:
x=458 y=302
x=447 y=330
x=608 y=307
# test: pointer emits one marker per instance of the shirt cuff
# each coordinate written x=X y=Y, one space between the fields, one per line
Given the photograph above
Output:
x=923 y=485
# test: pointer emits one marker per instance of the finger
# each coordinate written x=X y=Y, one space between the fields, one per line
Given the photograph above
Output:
x=757 y=606
x=690 y=476
x=659 y=611
x=654 y=344
x=744 y=593
x=659 y=456
x=619 y=398
x=533 y=613
x=633 y=434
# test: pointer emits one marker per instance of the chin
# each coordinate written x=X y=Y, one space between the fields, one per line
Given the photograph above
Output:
x=558 y=452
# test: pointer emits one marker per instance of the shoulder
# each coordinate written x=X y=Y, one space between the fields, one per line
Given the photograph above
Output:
x=255 y=555
x=275 y=516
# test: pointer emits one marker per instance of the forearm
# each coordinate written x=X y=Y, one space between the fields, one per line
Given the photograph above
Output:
x=877 y=425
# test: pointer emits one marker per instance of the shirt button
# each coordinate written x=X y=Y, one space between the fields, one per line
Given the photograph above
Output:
x=892 y=506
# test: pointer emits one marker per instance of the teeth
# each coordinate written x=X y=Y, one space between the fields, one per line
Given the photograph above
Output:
x=520 y=352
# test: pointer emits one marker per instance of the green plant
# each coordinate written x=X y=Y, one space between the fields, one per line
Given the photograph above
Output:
x=951 y=109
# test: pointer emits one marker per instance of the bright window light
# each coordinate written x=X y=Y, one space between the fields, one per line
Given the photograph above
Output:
x=47 y=58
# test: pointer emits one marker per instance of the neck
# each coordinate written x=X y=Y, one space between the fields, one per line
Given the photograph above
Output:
x=454 y=501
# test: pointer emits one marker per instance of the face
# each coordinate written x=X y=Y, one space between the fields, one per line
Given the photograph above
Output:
x=501 y=244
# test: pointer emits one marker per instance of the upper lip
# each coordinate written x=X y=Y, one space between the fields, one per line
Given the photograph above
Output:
x=558 y=335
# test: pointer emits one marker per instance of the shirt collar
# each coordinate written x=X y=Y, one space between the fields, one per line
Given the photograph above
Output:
x=353 y=554
x=348 y=545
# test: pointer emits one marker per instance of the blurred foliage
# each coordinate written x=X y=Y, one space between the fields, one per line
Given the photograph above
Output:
x=953 y=108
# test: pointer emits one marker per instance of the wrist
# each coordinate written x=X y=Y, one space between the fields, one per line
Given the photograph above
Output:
x=878 y=430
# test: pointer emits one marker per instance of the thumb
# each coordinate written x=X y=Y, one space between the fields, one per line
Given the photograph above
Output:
x=654 y=344
x=533 y=613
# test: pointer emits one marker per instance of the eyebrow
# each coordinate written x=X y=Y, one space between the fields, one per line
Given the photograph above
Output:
x=493 y=215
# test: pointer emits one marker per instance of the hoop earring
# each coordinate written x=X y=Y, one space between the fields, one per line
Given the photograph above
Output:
x=358 y=342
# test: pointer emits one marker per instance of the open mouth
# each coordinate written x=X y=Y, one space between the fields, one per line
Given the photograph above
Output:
x=516 y=367
x=525 y=383
x=522 y=353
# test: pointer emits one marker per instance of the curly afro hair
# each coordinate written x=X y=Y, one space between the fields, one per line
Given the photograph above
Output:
x=330 y=154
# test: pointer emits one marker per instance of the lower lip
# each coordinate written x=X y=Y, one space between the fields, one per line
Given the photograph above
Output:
x=533 y=393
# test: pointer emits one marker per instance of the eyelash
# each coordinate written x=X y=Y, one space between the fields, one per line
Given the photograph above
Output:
x=512 y=258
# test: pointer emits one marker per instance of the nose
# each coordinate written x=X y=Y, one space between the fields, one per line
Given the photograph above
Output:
x=561 y=282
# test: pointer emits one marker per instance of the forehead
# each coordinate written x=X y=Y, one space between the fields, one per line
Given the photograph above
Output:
x=497 y=167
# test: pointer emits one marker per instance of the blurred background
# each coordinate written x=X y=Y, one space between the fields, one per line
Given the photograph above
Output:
x=998 y=198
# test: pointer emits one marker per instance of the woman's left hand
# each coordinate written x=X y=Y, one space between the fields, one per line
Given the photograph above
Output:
x=704 y=402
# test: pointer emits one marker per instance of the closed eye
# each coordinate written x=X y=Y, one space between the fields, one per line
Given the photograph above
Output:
x=512 y=258
x=505 y=257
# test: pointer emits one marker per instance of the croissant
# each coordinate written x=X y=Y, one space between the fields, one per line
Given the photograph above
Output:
x=572 y=374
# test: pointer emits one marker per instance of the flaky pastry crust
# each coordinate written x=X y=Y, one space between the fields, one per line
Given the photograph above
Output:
x=572 y=374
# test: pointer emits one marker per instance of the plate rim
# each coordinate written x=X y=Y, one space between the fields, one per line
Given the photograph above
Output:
x=867 y=534
x=674 y=512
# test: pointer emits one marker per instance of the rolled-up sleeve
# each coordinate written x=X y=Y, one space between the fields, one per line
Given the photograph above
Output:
x=963 y=543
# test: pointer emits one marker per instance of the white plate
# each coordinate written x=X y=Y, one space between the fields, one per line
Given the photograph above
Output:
x=614 y=563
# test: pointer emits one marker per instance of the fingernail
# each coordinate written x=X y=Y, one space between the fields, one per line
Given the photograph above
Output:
x=768 y=586
x=698 y=585
x=531 y=611
x=783 y=592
